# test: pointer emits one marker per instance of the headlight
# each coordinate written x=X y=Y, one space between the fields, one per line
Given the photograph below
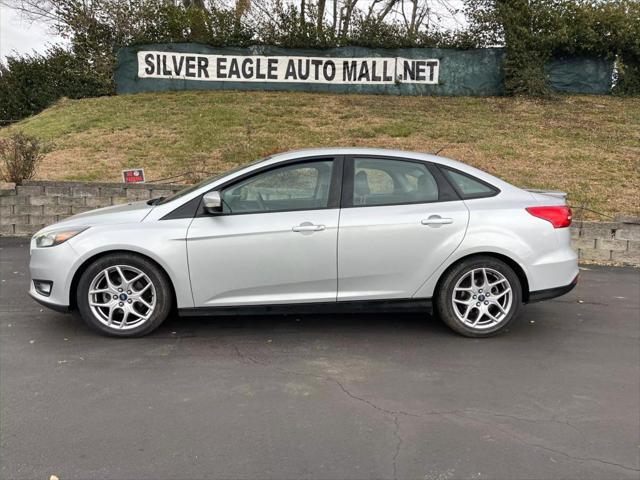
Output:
x=56 y=237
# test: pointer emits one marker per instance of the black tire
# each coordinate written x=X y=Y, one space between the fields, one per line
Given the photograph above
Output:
x=444 y=294
x=161 y=283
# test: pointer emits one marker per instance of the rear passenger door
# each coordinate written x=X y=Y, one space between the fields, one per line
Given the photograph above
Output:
x=400 y=220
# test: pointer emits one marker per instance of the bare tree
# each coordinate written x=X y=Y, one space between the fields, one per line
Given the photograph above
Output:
x=414 y=15
x=35 y=10
x=346 y=14
x=320 y=18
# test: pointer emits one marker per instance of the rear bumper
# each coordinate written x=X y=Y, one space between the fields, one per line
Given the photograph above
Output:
x=548 y=293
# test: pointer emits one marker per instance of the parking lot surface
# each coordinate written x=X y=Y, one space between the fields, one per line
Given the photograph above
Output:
x=327 y=397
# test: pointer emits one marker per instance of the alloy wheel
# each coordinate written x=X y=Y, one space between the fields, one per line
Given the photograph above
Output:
x=482 y=298
x=122 y=297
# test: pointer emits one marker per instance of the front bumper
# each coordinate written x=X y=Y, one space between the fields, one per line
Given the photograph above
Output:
x=54 y=264
x=42 y=300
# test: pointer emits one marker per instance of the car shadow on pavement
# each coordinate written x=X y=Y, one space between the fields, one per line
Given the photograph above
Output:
x=272 y=324
x=409 y=323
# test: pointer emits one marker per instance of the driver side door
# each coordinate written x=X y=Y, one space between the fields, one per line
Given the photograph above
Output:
x=275 y=241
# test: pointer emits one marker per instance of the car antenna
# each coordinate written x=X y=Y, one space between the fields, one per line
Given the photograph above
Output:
x=440 y=149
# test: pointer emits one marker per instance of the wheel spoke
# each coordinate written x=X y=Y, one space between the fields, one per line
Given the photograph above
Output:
x=100 y=290
x=101 y=305
x=501 y=294
x=123 y=323
x=110 y=283
x=500 y=307
x=142 y=290
x=143 y=302
x=110 y=319
x=123 y=279
x=485 y=280
x=134 y=280
x=140 y=315
x=467 y=311
x=498 y=282
x=478 y=318
x=462 y=302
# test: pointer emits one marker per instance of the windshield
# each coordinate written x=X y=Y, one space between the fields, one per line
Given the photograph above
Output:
x=195 y=186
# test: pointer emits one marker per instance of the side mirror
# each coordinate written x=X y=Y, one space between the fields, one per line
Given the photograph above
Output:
x=212 y=202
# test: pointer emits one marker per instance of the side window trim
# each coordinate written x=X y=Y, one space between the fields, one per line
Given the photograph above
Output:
x=334 y=189
x=446 y=193
x=346 y=200
x=494 y=190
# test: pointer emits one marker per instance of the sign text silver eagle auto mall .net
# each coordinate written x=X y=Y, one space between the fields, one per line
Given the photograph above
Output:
x=278 y=69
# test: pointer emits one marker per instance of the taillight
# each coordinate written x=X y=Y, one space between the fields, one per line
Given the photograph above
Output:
x=559 y=216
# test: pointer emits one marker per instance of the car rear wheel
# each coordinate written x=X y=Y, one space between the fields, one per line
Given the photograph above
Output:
x=124 y=295
x=479 y=297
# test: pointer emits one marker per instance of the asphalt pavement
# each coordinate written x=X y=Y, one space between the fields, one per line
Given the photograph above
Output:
x=324 y=397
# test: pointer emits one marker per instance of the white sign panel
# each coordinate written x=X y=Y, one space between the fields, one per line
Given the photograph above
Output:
x=413 y=70
x=285 y=69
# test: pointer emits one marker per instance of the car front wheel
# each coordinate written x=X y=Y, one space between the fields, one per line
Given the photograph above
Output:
x=479 y=297
x=123 y=295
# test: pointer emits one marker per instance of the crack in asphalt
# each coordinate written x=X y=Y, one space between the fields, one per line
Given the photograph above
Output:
x=392 y=413
x=369 y=402
x=395 y=414
x=567 y=455
x=525 y=419
x=396 y=432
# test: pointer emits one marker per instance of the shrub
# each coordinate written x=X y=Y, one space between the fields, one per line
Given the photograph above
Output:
x=31 y=83
x=20 y=155
x=627 y=77
x=534 y=31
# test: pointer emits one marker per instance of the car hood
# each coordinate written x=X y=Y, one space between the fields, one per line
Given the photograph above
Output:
x=125 y=213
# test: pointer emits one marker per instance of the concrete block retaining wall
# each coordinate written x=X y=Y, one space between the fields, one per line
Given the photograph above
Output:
x=27 y=208
x=615 y=241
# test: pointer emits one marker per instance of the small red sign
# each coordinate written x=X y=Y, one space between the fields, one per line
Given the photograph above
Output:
x=133 y=176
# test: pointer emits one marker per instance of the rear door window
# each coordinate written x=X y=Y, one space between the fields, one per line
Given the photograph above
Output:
x=380 y=181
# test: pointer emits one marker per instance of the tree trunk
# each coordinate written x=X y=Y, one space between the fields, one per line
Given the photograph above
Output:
x=320 y=19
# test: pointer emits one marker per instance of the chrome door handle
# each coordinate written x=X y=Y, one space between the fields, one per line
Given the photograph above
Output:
x=436 y=220
x=308 y=227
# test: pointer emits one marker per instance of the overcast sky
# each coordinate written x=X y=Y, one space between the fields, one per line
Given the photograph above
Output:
x=22 y=36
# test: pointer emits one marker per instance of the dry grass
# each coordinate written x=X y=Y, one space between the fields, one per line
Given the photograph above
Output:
x=588 y=146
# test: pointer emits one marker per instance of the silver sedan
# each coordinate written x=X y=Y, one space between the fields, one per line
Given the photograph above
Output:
x=335 y=229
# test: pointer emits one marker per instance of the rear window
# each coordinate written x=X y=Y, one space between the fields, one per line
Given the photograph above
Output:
x=468 y=186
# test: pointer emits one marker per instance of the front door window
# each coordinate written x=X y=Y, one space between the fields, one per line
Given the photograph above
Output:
x=303 y=186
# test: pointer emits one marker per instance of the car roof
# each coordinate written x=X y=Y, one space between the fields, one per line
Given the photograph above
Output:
x=355 y=151
x=383 y=152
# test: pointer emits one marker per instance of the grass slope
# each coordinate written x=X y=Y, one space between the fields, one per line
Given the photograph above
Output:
x=586 y=145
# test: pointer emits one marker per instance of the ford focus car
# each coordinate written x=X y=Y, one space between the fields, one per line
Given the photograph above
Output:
x=340 y=229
